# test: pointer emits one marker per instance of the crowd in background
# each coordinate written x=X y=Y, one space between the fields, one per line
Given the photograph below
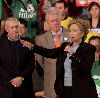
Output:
x=42 y=22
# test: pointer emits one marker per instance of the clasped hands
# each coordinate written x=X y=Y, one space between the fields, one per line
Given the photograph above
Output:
x=17 y=82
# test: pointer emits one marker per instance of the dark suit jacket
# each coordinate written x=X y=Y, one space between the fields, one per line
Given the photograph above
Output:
x=15 y=61
x=83 y=85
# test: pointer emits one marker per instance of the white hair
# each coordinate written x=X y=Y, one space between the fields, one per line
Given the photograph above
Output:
x=8 y=21
x=52 y=11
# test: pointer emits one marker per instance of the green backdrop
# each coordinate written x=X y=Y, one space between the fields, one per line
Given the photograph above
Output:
x=0 y=8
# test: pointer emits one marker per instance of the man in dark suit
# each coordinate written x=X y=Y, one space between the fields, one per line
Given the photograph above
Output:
x=16 y=64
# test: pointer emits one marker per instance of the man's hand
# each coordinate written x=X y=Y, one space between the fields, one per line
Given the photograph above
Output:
x=39 y=94
x=17 y=82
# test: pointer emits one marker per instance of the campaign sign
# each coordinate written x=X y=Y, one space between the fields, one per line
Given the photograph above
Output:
x=81 y=3
x=97 y=30
x=85 y=3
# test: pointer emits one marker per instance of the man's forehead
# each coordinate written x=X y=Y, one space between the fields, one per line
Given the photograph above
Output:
x=59 y=4
x=13 y=23
x=53 y=16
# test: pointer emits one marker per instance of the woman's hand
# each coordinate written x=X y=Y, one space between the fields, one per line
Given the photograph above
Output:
x=68 y=49
x=27 y=44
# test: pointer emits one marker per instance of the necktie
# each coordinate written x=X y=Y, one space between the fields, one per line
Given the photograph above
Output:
x=58 y=44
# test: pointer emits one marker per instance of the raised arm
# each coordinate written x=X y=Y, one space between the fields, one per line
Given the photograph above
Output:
x=50 y=53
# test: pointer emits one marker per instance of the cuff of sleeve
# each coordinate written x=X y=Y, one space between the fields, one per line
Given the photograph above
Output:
x=22 y=78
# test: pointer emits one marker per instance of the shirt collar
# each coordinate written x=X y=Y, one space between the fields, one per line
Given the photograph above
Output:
x=59 y=32
x=16 y=39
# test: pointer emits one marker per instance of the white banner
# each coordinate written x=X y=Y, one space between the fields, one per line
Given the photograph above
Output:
x=97 y=30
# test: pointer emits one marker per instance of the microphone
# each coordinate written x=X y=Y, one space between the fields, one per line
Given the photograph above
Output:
x=70 y=44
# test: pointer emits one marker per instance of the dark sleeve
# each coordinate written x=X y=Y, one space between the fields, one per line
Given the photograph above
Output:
x=30 y=67
x=50 y=53
x=84 y=63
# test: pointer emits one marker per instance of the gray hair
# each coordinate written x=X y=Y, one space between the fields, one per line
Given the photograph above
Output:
x=52 y=11
x=8 y=20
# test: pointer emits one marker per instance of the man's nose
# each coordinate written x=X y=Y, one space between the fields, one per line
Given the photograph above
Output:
x=55 y=21
x=15 y=29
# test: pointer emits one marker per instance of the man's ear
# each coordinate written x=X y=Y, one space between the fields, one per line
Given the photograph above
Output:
x=66 y=10
x=6 y=29
x=46 y=26
x=26 y=30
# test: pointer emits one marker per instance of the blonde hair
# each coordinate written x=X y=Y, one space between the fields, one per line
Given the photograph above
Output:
x=83 y=25
x=8 y=20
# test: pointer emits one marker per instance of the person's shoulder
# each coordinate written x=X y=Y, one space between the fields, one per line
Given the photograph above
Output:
x=43 y=35
x=64 y=30
x=90 y=34
x=88 y=46
x=69 y=18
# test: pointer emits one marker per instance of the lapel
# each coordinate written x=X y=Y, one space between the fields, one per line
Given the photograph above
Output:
x=49 y=40
x=81 y=48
